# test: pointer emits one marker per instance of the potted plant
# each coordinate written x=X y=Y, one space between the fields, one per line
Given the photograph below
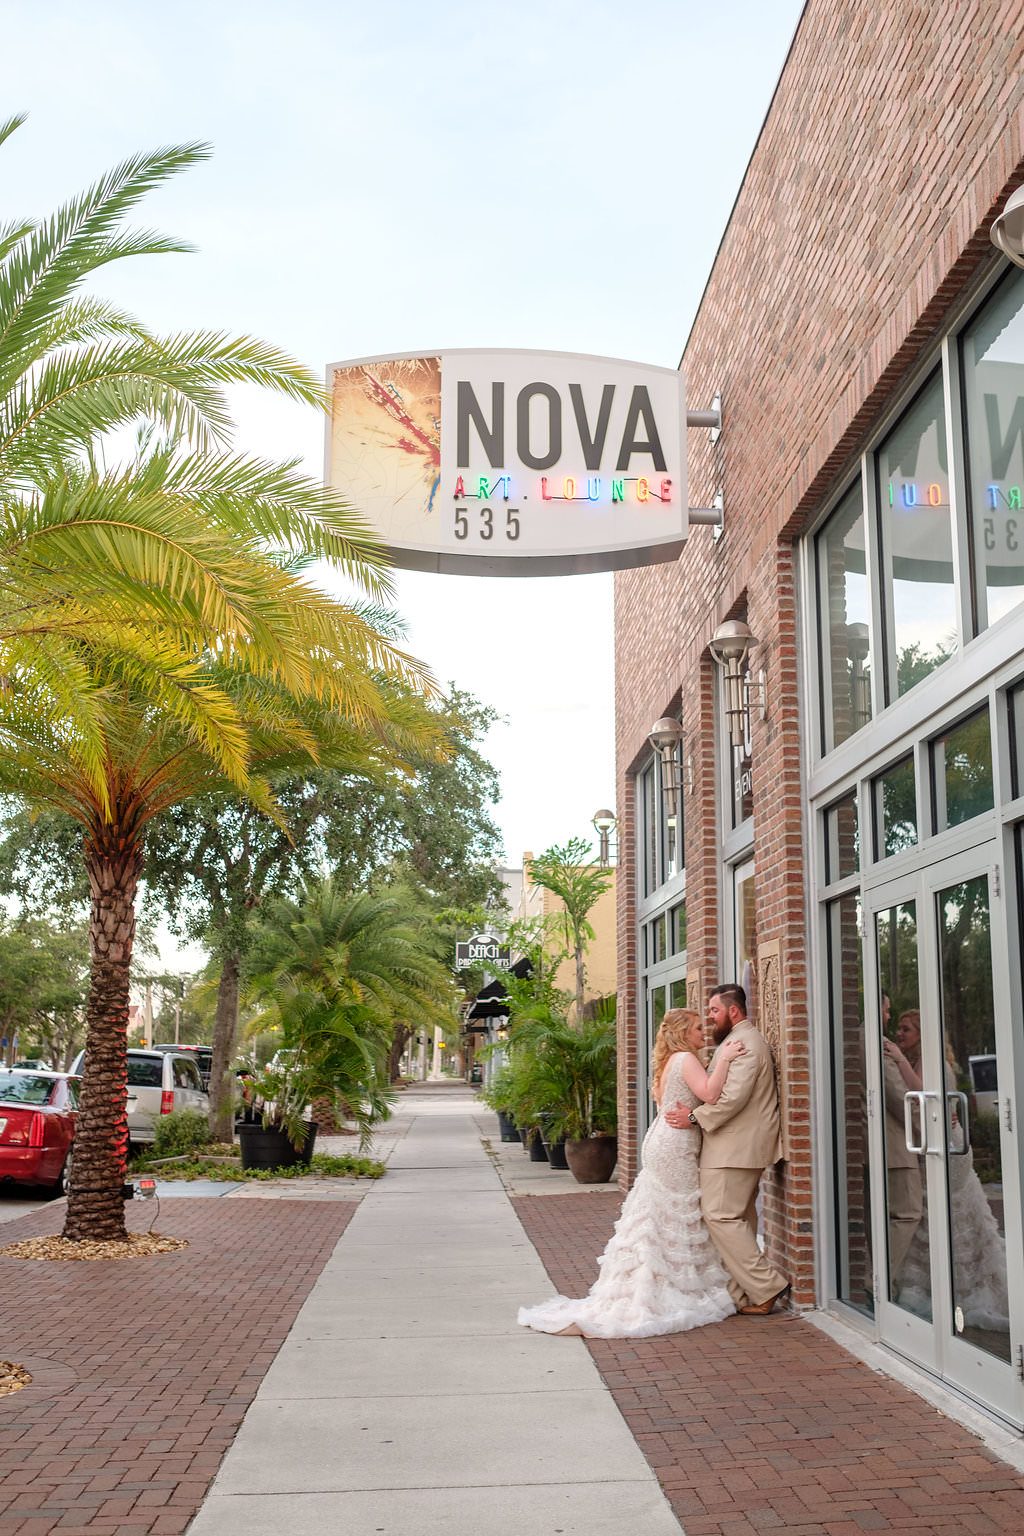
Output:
x=499 y=1096
x=278 y=1130
x=574 y=1072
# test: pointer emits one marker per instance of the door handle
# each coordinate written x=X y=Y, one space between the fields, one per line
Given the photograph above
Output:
x=909 y=1100
x=954 y=1150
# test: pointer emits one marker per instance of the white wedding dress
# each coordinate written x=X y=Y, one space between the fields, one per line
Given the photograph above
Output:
x=660 y=1272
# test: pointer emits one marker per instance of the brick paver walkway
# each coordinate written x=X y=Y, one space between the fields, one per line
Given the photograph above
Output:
x=144 y=1368
x=759 y=1425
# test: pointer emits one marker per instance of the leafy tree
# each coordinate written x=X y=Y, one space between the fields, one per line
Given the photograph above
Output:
x=213 y=864
x=43 y=975
x=567 y=874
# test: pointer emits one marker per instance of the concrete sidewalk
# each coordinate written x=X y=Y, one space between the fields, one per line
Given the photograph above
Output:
x=407 y=1400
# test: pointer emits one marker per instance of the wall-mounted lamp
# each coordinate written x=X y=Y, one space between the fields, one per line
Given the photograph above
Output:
x=665 y=736
x=857 y=648
x=605 y=824
x=1008 y=230
x=730 y=645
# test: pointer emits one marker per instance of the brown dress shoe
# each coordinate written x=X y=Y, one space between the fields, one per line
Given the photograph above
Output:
x=762 y=1308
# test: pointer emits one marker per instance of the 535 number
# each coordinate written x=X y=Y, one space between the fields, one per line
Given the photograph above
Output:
x=485 y=522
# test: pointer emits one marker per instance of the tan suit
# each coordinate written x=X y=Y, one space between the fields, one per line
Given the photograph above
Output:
x=903 y=1172
x=741 y=1137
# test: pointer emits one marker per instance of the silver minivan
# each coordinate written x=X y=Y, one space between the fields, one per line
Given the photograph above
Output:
x=158 y=1082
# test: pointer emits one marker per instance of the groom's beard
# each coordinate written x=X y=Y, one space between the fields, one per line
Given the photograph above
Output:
x=721 y=1032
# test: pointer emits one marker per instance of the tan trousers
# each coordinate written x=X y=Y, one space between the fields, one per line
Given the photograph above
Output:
x=728 y=1202
x=906 y=1208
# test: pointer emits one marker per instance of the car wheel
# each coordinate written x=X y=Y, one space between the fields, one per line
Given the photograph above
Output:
x=63 y=1180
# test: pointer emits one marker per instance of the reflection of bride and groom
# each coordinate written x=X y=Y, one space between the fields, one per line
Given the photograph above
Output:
x=693 y=1208
x=979 y=1249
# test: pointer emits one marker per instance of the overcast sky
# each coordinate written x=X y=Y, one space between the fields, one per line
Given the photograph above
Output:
x=397 y=178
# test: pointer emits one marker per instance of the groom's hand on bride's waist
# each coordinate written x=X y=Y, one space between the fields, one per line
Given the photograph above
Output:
x=678 y=1117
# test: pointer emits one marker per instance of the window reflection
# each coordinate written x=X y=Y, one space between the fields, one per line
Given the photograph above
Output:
x=845 y=617
x=962 y=772
x=849 y=1103
x=909 y=1281
x=993 y=371
x=895 y=802
x=842 y=839
x=917 y=540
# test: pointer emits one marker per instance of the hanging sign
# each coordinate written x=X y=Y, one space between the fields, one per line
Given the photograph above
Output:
x=512 y=463
x=483 y=950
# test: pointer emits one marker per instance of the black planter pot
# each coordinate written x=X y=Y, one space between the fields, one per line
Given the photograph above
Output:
x=556 y=1153
x=523 y=1132
x=270 y=1148
x=535 y=1146
x=507 y=1126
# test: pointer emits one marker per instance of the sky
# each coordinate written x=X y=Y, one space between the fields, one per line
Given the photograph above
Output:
x=401 y=178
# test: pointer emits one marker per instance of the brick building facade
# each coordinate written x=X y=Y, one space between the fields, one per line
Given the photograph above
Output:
x=857 y=251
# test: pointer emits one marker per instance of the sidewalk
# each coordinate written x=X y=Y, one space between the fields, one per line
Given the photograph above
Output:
x=372 y=1338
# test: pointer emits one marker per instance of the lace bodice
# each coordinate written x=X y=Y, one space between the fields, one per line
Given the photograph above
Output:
x=671 y=1155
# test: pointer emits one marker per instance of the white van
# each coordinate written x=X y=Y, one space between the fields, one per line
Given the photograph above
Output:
x=158 y=1083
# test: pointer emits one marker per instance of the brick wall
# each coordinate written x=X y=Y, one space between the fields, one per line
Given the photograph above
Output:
x=894 y=137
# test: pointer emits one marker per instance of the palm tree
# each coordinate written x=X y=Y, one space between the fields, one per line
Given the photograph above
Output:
x=337 y=969
x=578 y=884
x=157 y=637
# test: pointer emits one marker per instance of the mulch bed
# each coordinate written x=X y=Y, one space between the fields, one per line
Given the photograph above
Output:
x=758 y=1425
x=12 y=1377
x=154 y=1362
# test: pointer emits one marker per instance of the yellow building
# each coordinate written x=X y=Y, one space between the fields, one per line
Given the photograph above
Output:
x=537 y=902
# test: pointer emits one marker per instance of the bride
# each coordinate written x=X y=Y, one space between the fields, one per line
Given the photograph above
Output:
x=659 y=1272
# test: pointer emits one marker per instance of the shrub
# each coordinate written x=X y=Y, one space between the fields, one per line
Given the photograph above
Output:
x=181 y=1131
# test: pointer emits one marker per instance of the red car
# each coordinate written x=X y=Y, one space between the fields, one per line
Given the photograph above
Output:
x=37 y=1125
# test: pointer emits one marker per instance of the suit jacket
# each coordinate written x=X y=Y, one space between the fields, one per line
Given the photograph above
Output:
x=897 y=1154
x=742 y=1130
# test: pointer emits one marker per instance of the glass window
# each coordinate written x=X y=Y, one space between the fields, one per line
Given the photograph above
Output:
x=842 y=839
x=845 y=614
x=1016 y=717
x=849 y=1103
x=648 y=829
x=974 y=1183
x=678 y=919
x=895 y=809
x=145 y=1072
x=742 y=775
x=909 y=1281
x=678 y=991
x=992 y=350
x=962 y=781
x=23 y=1088
x=917 y=540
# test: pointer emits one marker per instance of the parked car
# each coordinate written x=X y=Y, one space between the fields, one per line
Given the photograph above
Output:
x=37 y=1127
x=159 y=1082
x=203 y=1055
x=984 y=1084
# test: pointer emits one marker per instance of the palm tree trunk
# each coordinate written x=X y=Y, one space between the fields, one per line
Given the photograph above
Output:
x=225 y=1032
x=95 y=1203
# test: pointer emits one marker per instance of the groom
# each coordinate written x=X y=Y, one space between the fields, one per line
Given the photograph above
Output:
x=741 y=1137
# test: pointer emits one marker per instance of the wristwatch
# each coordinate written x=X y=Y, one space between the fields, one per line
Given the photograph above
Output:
x=694 y=1120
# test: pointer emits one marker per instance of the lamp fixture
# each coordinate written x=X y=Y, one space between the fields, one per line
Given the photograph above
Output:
x=730 y=646
x=605 y=823
x=665 y=736
x=857 y=649
x=1008 y=230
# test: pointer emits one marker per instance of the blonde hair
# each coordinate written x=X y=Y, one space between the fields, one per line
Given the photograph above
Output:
x=671 y=1037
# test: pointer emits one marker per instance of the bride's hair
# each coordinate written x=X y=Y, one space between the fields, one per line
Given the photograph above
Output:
x=671 y=1037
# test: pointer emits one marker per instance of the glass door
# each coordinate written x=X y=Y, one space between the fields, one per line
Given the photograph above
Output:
x=946 y=1227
